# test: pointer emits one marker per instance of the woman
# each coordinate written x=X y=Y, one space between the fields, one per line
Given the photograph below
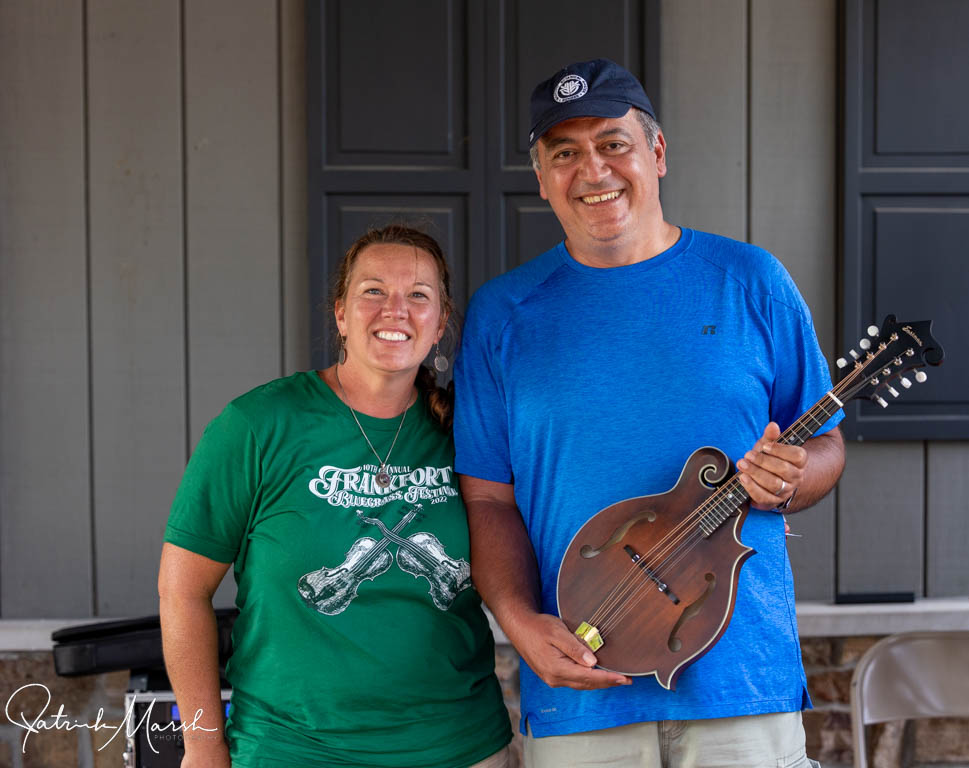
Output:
x=360 y=640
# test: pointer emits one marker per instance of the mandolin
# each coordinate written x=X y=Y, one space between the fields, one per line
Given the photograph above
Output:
x=650 y=583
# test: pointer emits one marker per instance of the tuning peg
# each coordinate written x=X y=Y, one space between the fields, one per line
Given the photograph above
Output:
x=853 y=354
x=905 y=382
x=880 y=401
x=920 y=376
x=841 y=362
x=864 y=344
x=892 y=391
x=872 y=330
x=886 y=371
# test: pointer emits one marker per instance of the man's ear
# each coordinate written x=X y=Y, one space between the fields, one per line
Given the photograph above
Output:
x=541 y=186
x=659 y=150
x=538 y=171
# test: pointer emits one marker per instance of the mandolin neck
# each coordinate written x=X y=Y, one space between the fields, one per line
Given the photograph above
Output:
x=731 y=496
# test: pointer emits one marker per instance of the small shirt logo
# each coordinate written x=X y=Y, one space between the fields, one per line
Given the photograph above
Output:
x=709 y=330
x=570 y=88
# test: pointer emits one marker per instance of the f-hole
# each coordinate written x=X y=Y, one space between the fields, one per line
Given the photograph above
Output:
x=617 y=535
x=692 y=610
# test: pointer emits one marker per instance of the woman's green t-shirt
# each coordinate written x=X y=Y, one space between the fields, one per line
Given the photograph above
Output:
x=360 y=640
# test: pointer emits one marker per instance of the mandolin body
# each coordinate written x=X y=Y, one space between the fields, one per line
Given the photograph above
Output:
x=659 y=588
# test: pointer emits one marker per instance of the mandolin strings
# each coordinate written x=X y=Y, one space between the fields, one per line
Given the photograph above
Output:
x=669 y=551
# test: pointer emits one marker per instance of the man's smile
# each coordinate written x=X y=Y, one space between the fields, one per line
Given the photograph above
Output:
x=603 y=198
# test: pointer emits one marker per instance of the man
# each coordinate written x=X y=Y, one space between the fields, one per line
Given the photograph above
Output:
x=588 y=376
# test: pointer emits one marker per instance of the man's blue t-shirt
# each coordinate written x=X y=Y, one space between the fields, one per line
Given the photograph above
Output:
x=586 y=386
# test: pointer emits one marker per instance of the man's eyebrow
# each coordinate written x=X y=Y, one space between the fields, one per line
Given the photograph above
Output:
x=605 y=134
x=613 y=132
x=557 y=142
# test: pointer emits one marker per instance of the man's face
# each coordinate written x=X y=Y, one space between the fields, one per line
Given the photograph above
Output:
x=602 y=180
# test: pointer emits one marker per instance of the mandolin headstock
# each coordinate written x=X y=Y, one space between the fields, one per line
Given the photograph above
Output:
x=886 y=356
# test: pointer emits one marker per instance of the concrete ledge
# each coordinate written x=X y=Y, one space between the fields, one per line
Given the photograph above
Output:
x=826 y=620
x=814 y=619
x=34 y=634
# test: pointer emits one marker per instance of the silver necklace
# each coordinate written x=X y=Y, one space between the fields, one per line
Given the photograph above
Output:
x=383 y=477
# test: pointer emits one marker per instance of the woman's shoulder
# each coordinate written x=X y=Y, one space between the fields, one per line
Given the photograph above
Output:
x=274 y=397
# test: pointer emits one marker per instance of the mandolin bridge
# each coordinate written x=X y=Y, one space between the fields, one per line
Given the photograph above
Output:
x=590 y=636
x=661 y=585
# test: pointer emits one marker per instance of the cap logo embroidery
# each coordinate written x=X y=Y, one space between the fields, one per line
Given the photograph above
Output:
x=570 y=88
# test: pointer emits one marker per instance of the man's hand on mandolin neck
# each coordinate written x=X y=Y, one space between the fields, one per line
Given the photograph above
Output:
x=770 y=472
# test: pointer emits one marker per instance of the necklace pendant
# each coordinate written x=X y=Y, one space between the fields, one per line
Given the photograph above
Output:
x=383 y=479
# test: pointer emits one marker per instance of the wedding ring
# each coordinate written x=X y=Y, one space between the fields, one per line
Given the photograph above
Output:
x=783 y=486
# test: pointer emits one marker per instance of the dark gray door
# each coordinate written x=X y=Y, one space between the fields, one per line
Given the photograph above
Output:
x=906 y=199
x=418 y=111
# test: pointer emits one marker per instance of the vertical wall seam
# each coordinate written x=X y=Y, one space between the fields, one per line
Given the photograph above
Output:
x=183 y=121
x=925 y=519
x=281 y=192
x=88 y=319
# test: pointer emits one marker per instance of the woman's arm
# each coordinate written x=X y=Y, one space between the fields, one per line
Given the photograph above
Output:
x=186 y=583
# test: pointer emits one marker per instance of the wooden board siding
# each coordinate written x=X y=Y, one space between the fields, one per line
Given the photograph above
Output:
x=45 y=493
x=144 y=172
x=137 y=288
x=793 y=95
x=704 y=112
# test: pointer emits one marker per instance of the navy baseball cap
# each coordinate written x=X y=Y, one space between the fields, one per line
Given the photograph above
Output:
x=597 y=88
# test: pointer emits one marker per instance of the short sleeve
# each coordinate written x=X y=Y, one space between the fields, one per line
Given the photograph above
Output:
x=801 y=374
x=480 y=416
x=212 y=507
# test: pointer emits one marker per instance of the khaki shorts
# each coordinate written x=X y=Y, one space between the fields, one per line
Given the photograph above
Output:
x=500 y=759
x=756 y=741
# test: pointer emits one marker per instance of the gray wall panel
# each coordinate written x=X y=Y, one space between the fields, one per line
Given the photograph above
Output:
x=812 y=550
x=793 y=80
x=703 y=111
x=248 y=208
x=137 y=330
x=232 y=196
x=232 y=238
x=880 y=519
x=45 y=534
x=947 y=519
x=792 y=158
x=292 y=83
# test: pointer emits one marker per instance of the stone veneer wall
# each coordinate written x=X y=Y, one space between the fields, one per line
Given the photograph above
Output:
x=829 y=663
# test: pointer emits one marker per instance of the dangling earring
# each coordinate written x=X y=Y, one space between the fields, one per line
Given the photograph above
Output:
x=342 y=357
x=440 y=361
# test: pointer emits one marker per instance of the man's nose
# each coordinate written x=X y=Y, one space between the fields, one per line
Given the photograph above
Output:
x=593 y=168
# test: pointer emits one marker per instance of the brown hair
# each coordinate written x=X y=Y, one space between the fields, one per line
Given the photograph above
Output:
x=439 y=401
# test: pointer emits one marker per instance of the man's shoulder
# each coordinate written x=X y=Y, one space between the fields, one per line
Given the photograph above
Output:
x=761 y=274
x=509 y=289
x=728 y=252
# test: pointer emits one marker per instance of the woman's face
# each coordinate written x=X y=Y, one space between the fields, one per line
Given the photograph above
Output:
x=391 y=315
